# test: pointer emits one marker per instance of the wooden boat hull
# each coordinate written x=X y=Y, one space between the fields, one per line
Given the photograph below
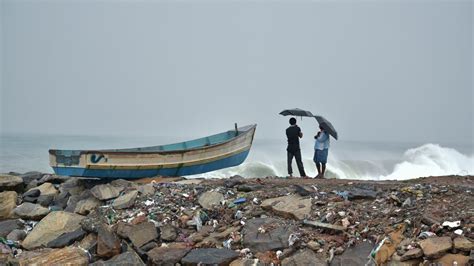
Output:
x=206 y=154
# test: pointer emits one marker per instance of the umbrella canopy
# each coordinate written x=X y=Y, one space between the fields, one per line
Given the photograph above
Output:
x=326 y=125
x=296 y=112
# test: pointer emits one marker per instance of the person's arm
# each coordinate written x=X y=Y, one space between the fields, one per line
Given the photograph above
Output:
x=300 y=134
x=324 y=137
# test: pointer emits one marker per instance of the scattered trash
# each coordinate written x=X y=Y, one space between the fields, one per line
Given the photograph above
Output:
x=240 y=201
x=449 y=224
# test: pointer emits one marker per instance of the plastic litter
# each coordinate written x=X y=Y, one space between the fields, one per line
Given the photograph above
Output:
x=454 y=224
x=238 y=215
x=458 y=232
x=426 y=234
x=240 y=201
x=292 y=239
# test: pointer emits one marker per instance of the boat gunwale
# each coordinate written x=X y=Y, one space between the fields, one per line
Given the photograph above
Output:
x=250 y=128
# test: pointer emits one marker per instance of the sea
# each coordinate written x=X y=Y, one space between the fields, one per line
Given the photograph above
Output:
x=22 y=153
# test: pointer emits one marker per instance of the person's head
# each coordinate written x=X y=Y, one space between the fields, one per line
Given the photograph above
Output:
x=321 y=128
x=292 y=121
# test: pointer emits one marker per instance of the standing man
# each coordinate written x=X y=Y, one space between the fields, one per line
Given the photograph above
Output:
x=321 y=149
x=293 y=133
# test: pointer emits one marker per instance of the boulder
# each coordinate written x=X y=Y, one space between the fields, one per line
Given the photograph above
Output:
x=85 y=206
x=45 y=200
x=108 y=244
x=142 y=233
x=463 y=244
x=449 y=259
x=7 y=226
x=34 y=193
x=93 y=221
x=31 y=176
x=89 y=243
x=123 y=229
x=106 y=191
x=30 y=211
x=292 y=206
x=46 y=189
x=208 y=200
x=64 y=256
x=209 y=256
x=72 y=186
x=127 y=258
x=16 y=235
x=303 y=257
x=166 y=255
x=125 y=201
x=7 y=204
x=436 y=247
x=274 y=236
x=67 y=239
x=61 y=199
x=355 y=255
x=147 y=190
x=168 y=233
x=412 y=254
x=10 y=182
x=51 y=227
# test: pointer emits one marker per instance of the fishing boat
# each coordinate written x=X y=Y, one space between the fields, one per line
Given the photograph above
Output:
x=226 y=149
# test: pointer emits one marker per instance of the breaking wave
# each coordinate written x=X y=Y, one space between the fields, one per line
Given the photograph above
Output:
x=426 y=160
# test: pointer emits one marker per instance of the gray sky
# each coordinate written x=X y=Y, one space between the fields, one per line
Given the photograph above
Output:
x=389 y=70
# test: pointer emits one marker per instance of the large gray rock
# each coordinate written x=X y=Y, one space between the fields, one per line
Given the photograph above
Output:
x=126 y=258
x=168 y=233
x=147 y=190
x=64 y=256
x=208 y=200
x=125 y=201
x=464 y=244
x=72 y=186
x=7 y=226
x=7 y=204
x=435 y=247
x=209 y=256
x=292 y=206
x=85 y=206
x=108 y=244
x=16 y=235
x=356 y=255
x=275 y=236
x=30 y=211
x=46 y=189
x=303 y=257
x=106 y=191
x=67 y=239
x=51 y=227
x=162 y=256
x=142 y=233
x=10 y=182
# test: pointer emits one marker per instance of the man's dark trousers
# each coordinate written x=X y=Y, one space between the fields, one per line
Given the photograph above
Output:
x=297 y=155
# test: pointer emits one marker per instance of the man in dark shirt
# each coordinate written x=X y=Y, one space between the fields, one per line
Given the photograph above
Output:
x=293 y=133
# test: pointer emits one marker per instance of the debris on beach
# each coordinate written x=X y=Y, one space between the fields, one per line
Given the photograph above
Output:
x=47 y=219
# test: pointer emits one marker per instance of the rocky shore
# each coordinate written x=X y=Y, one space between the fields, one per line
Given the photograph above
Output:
x=54 y=220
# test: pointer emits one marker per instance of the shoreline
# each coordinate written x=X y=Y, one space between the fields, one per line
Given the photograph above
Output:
x=236 y=221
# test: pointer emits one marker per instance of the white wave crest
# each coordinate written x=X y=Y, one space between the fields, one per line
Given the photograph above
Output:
x=426 y=160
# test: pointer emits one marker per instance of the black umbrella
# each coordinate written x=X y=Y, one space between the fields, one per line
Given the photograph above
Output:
x=326 y=125
x=296 y=112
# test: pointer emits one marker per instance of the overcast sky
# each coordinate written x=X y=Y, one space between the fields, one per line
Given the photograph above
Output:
x=388 y=70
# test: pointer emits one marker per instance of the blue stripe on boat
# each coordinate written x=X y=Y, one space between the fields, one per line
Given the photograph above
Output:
x=230 y=161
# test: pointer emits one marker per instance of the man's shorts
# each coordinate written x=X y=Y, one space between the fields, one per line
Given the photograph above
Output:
x=320 y=156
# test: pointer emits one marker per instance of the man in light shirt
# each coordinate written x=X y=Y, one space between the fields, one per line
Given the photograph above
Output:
x=321 y=148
